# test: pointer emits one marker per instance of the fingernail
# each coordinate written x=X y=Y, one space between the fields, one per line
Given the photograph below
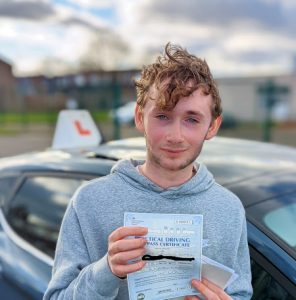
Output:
x=196 y=282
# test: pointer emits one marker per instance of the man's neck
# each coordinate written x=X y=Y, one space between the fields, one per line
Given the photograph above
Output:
x=167 y=178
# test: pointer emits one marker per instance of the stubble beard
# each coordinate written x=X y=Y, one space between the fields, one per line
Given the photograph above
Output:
x=159 y=161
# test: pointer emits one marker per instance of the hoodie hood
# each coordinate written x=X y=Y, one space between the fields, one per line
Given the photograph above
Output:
x=199 y=183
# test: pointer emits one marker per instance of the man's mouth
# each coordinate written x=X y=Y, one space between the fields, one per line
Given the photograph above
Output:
x=170 y=150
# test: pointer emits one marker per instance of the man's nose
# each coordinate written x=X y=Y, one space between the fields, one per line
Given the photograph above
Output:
x=175 y=134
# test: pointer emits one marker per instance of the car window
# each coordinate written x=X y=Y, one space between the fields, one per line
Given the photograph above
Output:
x=278 y=216
x=265 y=287
x=6 y=185
x=282 y=221
x=37 y=209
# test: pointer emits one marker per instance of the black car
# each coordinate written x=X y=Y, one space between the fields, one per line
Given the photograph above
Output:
x=35 y=189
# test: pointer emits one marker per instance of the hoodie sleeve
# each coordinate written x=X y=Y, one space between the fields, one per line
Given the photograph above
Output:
x=241 y=288
x=74 y=276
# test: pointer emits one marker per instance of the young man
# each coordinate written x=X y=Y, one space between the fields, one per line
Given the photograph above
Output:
x=178 y=108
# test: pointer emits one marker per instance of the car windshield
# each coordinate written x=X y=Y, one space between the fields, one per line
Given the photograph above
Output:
x=282 y=222
x=278 y=216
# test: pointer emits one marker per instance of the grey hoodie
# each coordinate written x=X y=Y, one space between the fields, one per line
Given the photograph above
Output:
x=81 y=269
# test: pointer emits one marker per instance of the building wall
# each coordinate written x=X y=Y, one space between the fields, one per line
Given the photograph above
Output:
x=95 y=90
x=238 y=98
x=7 y=86
x=105 y=90
x=241 y=99
x=6 y=77
x=290 y=81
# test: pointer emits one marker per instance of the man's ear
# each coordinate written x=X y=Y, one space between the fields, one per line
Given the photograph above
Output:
x=213 y=129
x=139 y=118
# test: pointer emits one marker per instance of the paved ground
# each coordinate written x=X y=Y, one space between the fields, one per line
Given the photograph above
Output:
x=20 y=139
x=15 y=140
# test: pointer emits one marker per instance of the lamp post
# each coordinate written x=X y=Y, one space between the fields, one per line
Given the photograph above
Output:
x=116 y=89
x=270 y=94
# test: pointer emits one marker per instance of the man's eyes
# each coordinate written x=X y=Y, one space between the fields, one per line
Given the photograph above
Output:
x=192 y=120
x=162 y=117
x=189 y=120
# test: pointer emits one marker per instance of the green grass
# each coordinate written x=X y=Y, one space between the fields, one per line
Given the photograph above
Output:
x=43 y=117
x=38 y=117
x=8 y=131
x=101 y=116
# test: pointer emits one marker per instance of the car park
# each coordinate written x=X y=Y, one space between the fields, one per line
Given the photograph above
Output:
x=125 y=113
x=35 y=189
x=229 y=121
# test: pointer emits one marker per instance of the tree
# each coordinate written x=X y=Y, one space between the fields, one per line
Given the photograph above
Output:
x=106 y=51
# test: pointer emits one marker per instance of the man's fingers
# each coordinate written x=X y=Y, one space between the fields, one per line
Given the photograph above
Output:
x=126 y=245
x=123 y=270
x=210 y=290
x=121 y=250
x=122 y=258
x=123 y=232
x=204 y=290
x=191 y=298
x=216 y=289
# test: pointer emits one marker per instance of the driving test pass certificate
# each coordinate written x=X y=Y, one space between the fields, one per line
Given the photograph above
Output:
x=173 y=255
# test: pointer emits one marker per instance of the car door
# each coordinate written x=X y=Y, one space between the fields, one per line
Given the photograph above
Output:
x=267 y=281
x=8 y=289
x=30 y=222
x=272 y=240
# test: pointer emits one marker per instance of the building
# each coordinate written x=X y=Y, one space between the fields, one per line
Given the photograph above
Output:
x=104 y=90
x=93 y=90
x=7 y=85
x=242 y=98
x=7 y=79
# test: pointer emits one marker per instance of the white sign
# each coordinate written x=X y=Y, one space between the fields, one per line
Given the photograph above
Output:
x=76 y=129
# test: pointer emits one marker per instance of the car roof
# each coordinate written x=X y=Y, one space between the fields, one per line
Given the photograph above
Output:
x=232 y=161
x=261 y=174
x=56 y=161
x=235 y=163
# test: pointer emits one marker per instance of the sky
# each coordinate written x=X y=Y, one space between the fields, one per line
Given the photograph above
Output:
x=235 y=37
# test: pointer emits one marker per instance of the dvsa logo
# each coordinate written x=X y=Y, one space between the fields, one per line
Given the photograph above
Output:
x=141 y=296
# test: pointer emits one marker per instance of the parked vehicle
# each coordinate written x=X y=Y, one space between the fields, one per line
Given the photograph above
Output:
x=35 y=189
x=125 y=113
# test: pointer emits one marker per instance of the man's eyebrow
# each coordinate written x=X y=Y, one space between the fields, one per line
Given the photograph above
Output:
x=188 y=112
x=194 y=113
x=159 y=110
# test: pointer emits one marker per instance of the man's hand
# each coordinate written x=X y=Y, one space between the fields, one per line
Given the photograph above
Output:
x=209 y=290
x=121 y=250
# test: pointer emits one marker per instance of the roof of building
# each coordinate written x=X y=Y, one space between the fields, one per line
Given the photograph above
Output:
x=5 y=60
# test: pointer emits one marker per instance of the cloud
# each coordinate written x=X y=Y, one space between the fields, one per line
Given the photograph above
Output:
x=258 y=34
x=75 y=21
x=93 y=4
x=32 y=10
x=27 y=45
x=231 y=35
x=48 y=12
x=214 y=13
x=63 y=33
x=75 y=17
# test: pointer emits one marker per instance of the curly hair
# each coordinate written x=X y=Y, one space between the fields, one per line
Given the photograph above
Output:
x=174 y=75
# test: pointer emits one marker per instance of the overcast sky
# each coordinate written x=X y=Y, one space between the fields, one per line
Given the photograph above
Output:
x=236 y=37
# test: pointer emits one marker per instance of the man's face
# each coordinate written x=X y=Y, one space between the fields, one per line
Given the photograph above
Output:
x=174 y=138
